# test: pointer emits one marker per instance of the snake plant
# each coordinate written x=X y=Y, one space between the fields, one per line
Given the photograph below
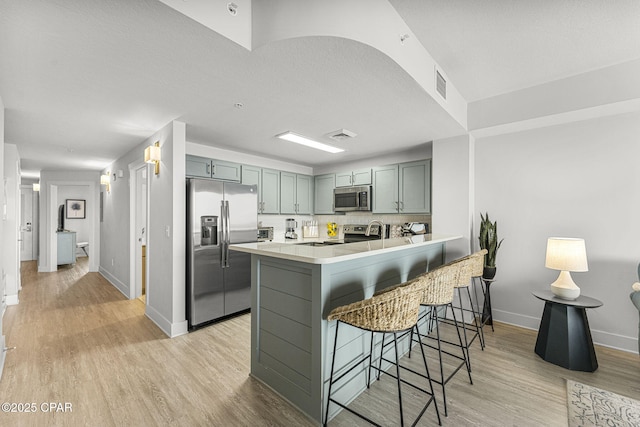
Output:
x=489 y=240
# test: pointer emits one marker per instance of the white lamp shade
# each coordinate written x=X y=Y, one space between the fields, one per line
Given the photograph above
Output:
x=152 y=154
x=566 y=254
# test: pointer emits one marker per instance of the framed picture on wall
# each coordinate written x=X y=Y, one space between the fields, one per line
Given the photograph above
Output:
x=75 y=208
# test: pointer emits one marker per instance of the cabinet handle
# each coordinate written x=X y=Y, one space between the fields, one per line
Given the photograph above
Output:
x=401 y=206
x=397 y=207
x=208 y=168
x=351 y=179
x=213 y=170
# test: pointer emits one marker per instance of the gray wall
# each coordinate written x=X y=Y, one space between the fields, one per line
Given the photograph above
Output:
x=573 y=180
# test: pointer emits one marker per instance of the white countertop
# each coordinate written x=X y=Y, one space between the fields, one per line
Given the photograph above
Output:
x=294 y=251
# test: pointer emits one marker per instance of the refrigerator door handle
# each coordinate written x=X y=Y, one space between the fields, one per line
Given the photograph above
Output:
x=225 y=249
x=223 y=235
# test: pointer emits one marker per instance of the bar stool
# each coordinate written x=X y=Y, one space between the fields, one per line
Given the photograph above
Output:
x=392 y=311
x=468 y=270
x=438 y=294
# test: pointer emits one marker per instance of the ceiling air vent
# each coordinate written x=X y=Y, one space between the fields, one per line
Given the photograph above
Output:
x=341 y=135
x=441 y=85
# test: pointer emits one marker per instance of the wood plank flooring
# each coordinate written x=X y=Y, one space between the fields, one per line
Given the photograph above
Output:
x=78 y=340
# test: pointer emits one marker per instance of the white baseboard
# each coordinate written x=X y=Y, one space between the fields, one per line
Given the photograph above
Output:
x=606 y=339
x=3 y=354
x=124 y=289
x=172 y=330
x=11 y=300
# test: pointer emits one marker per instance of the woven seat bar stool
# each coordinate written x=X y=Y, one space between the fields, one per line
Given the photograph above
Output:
x=468 y=268
x=391 y=312
x=436 y=296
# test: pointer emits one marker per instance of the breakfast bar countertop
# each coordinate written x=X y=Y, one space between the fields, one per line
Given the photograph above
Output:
x=299 y=251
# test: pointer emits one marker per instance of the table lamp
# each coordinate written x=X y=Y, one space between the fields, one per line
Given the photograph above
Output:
x=566 y=254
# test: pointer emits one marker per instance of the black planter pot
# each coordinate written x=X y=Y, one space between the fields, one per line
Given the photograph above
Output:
x=489 y=273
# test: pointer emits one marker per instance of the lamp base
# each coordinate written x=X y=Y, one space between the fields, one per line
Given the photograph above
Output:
x=564 y=287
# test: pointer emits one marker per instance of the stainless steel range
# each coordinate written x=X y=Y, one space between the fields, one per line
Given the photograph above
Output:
x=355 y=232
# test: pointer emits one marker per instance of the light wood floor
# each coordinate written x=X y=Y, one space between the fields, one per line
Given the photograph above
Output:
x=78 y=340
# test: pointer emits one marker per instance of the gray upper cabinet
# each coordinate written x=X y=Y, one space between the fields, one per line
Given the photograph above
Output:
x=268 y=182
x=414 y=187
x=296 y=193
x=203 y=167
x=385 y=189
x=355 y=177
x=403 y=188
x=323 y=193
x=198 y=167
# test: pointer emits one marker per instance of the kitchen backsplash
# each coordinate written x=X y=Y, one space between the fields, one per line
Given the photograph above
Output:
x=278 y=221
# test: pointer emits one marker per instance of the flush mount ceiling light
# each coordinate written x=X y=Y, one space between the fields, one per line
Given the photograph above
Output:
x=298 y=139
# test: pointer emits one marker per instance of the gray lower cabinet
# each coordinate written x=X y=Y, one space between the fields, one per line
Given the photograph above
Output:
x=296 y=193
x=66 y=247
x=202 y=167
x=291 y=340
x=268 y=182
x=323 y=193
x=402 y=188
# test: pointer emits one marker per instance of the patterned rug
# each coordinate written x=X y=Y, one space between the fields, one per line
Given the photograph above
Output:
x=590 y=406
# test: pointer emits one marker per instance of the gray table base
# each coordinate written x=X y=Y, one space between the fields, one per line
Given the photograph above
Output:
x=564 y=338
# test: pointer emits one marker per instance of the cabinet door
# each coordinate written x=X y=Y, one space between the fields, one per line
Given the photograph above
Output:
x=385 y=189
x=198 y=166
x=344 y=179
x=287 y=193
x=304 y=194
x=323 y=193
x=270 y=191
x=252 y=175
x=415 y=187
x=225 y=170
x=362 y=177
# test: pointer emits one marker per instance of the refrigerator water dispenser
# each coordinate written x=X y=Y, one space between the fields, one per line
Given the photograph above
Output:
x=209 y=226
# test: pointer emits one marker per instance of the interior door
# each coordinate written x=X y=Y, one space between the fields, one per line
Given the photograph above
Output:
x=140 y=228
x=26 y=225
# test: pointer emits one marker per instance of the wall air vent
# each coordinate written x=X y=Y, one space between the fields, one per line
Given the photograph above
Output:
x=341 y=134
x=441 y=85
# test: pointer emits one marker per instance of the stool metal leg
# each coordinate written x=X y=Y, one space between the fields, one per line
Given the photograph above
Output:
x=333 y=362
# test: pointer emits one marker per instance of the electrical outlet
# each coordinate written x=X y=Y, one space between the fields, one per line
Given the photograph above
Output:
x=113 y=262
x=167 y=231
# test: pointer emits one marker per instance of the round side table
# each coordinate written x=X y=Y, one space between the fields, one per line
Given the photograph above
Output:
x=564 y=337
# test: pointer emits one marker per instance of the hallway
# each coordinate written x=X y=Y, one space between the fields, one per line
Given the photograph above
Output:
x=79 y=341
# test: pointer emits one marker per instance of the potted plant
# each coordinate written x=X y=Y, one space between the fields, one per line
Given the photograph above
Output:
x=489 y=241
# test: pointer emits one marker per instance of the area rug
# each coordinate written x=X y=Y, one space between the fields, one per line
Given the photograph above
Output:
x=590 y=406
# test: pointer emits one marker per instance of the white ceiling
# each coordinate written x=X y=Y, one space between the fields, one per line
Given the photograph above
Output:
x=85 y=81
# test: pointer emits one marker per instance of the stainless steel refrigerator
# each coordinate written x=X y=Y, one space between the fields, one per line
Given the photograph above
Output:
x=218 y=280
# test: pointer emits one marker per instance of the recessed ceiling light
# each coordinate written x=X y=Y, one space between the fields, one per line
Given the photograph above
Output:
x=298 y=139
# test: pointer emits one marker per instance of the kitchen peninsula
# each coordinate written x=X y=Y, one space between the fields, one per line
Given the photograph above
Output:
x=295 y=286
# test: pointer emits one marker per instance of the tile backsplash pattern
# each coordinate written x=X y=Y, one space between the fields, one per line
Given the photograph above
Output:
x=278 y=221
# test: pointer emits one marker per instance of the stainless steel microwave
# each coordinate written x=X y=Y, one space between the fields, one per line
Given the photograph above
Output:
x=347 y=199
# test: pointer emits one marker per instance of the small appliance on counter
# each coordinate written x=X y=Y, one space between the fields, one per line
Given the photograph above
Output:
x=290 y=226
x=309 y=229
x=413 y=228
x=265 y=234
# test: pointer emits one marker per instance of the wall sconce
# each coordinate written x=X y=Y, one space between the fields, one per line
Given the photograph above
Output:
x=152 y=155
x=106 y=180
x=36 y=186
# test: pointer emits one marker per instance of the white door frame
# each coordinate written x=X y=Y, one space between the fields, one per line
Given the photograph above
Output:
x=133 y=185
x=52 y=221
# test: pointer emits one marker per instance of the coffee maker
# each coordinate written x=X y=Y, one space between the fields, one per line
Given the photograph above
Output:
x=291 y=225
